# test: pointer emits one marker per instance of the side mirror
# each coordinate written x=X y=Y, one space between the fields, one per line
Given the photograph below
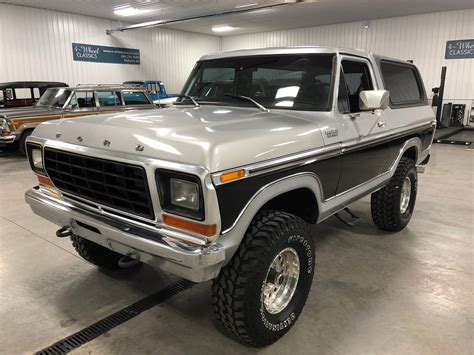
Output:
x=370 y=100
x=68 y=107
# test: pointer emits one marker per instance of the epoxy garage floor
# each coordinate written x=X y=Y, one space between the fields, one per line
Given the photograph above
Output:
x=405 y=293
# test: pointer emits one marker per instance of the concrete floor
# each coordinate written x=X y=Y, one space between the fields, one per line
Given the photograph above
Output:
x=374 y=292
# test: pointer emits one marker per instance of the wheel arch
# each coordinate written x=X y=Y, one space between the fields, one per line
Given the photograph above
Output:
x=411 y=149
x=274 y=195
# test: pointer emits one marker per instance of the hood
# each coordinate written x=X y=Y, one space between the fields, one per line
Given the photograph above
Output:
x=215 y=137
x=28 y=111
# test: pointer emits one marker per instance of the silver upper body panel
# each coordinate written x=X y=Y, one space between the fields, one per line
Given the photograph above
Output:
x=214 y=137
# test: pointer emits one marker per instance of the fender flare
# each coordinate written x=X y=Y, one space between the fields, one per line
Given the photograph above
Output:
x=232 y=237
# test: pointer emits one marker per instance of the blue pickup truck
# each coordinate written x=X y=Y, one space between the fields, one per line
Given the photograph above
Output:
x=157 y=91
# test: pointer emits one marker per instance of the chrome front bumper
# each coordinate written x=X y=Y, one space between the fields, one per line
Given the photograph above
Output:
x=195 y=263
x=7 y=139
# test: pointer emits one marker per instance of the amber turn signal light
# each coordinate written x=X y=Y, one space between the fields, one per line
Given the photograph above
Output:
x=233 y=175
x=205 y=229
x=45 y=181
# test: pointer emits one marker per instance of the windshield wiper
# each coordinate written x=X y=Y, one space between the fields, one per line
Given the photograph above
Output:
x=190 y=98
x=246 y=98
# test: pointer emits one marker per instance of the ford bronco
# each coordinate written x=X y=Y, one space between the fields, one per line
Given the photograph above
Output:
x=222 y=186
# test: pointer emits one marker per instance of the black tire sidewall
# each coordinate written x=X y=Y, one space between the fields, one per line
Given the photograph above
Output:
x=22 y=141
x=271 y=327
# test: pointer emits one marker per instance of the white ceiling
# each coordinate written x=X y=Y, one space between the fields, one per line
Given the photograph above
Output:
x=315 y=13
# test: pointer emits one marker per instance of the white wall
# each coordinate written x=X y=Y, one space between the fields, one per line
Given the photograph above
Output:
x=418 y=37
x=35 y=44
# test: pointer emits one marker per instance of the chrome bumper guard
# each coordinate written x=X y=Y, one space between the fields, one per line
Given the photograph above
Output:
x=195 y=263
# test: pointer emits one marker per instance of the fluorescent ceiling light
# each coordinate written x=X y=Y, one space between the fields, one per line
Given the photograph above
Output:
x=128 y=11
x=222 y=28
x=246 y=5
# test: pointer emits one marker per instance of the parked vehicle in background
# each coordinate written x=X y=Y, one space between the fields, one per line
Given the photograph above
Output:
x=223 y=185
x=24 y=93
x=157 y=91
x=17 y=124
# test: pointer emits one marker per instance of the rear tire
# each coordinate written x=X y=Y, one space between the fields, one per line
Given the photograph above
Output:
x=95 y=253
x=393 y=205
x=259 y=295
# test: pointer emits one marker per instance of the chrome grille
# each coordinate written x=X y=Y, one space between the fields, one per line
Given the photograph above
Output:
x=110 y=183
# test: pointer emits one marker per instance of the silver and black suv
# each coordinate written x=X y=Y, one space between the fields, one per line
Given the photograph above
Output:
x=222 y=186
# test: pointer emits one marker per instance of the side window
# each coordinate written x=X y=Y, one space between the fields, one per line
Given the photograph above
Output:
x=73 y=101
x=135 y=98
x=9 y=94
x=357 y=78
x=36 y=93
x=342 y=97
x=402 y=81
x=108 y=98
x=23 y=93
x=85 y=99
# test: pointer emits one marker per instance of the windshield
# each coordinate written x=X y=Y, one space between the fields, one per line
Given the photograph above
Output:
x=54 y=98
x=295 y=82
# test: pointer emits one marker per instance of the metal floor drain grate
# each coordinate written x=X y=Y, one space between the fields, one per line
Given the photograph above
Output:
x=104 y=325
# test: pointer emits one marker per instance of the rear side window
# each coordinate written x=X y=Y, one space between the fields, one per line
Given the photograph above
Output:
x=23 y=93
x=135 y=98
x=402 y=82
x=108 y=98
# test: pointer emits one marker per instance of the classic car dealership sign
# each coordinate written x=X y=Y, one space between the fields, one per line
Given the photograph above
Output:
x=103 y=54
x=459 y=49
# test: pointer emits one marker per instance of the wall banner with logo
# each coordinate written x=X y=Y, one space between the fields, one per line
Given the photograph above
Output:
x=104 y=54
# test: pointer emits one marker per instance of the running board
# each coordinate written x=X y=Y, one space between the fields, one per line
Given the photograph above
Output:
x=351 y=221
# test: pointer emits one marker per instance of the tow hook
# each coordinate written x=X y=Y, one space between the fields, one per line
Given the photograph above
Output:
x=129 y=260
x=64 y=232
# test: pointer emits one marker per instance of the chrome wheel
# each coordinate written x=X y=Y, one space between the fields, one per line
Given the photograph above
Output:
x=405 y=195
x=281 y=281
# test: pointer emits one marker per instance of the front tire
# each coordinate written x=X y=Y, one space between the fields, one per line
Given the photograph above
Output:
x=22 y=141
x=259 y=295
x=96 y=254
x=393 y=205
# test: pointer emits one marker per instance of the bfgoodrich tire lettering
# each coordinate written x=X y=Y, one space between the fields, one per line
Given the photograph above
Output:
x=238 y=291
x=386 y=209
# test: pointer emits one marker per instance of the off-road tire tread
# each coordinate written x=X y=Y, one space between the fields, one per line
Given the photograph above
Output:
x=228 y=289
x=385 y=202
x=95 y=253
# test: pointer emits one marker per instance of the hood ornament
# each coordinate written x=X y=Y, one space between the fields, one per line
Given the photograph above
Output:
x=106 y=143
x=79 y=139
x=139 y=148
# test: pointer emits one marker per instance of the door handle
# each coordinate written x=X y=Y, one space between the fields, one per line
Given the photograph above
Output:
x=381 y=124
